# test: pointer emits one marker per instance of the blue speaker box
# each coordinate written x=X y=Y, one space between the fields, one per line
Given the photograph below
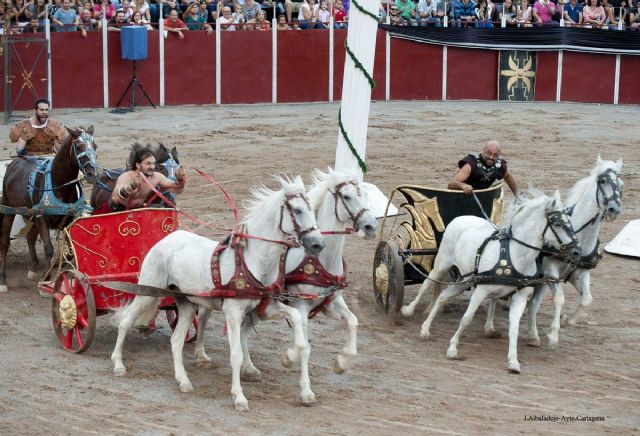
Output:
x=134 y=42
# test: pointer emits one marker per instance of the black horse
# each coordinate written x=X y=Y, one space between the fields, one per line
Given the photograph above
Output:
x=48 y=192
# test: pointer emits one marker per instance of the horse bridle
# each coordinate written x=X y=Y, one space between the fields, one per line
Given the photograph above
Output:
x=296 y=227
x=561 y=217
x=337 y=194
x=89 y=152
x=613 y=178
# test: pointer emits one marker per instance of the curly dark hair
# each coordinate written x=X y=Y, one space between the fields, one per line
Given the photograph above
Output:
x=139 y=153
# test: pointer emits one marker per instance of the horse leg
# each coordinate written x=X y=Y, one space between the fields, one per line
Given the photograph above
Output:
x=234 y=313
x=534 y=306
x=43 y=231
x=338 y=309
x=186 y=312
x=583 y=284
x=447 y=294
x=248 y=372
x=299 y=321
x=558 y=302
x=518 y=304
x=5 y=240
x=140 y=308
x=32 y=236
x=201 y=356
x=489 y=329
x=477 y=298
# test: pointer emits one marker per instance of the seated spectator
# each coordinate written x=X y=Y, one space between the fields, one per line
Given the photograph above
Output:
x=407 y=10
x=543 y=12
x=340 y=16
x=106 y=9
x=324 y=16
x=39 y=12
x=143 y=7
x=238 y=17
x=173 y=24
x=33 y=26
x=168 y=6
x=226 y=21
x=430 y=13
x=593 y=14
x=128 y=10
x=294 y=24
x=482 y=16
x=195 y=20
x=464 y=13
x=572 y=14
x=508 y=13
x=524 y=16
x=117 y=22
x=633 y=14
x=291 y=6
x=138 y=20
x=395 y=19
x=261 y=23
x=282 y=23
x=615 y=15
x=308 y=15
x=66 y=18
x=88 y=23
x=250 y=9
x=21 y=13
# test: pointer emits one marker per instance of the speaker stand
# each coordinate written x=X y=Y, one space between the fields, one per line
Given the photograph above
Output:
x=134 y=83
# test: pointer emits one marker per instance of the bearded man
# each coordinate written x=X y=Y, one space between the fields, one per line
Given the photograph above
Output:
x=38 y=135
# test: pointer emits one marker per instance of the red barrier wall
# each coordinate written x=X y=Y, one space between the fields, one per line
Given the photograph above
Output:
x=472 y=74
x=416 y=71
x=629 y=92
x=588 y=78
x=27 y=73
x=546 y=76
x=245 y=73
x=190 y=68
x=303 y=66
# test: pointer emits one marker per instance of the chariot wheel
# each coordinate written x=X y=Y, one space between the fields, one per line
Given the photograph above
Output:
x=74 y=311
x=172 y=319
x=388 y=277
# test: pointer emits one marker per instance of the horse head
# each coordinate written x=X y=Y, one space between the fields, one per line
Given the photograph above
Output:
x=83 y=150
x=349 y=203
x=609 y=187
x=167 y=161
x=559 y=232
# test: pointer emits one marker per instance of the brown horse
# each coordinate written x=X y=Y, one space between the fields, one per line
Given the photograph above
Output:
x=48 y=201
x=167 y=164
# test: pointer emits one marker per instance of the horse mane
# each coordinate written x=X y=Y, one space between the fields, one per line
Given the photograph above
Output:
x=163 y=153
x=323 y=181
x=529 y=198
x=584 y=185
x=264 y=198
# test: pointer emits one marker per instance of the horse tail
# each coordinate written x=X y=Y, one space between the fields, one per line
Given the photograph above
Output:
x=145 y=317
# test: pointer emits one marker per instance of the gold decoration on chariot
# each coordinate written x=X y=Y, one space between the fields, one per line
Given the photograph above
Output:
x=382 y=279
x=507 y=271
x=95 y=229
x=496 y=211
x=133 y=260
x=102 y=262
x=241 y=284
x=499 y=272
x=503 y=262
x=167 y=225
x=309 y=269
x=129 y=228
x=67 y=312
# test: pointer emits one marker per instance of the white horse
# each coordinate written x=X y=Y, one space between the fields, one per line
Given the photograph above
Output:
x=183 y=262
x=338 y=201
x=592 y=199
x=535 y=222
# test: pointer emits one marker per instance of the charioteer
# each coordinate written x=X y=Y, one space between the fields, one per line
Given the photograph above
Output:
x=130 y=192
x=481 y=170
x=38 y=135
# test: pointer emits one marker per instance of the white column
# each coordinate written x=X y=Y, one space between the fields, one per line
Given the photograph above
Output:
x=387 y=65
x=47 y=34
x=105 y=64
x=616 y=83
x=444 y=73
x=274 y=59
x=218 y=64
x=331 y=53
x=559 y=76
x=356 y=90
x=161 y=52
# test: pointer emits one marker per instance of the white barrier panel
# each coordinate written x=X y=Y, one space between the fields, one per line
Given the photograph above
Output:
x=627 y=242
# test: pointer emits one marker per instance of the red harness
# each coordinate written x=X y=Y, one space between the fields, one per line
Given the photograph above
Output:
x=311 y=272
x=243 y=284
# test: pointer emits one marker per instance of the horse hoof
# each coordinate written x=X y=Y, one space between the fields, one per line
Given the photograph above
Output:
x=407 y=311
x=3 y=288
x=32 y=275
x=552 y=344
x=204 y=363
x=340 y=365
x=242 y=406
x=563 y=320
x=308 y=399
x=186 y=387
x=119 y=372
x=514 y=368
x=452 y=354
x=251 y=376
x=492 y=334
x=533 y=342
x=424 y=334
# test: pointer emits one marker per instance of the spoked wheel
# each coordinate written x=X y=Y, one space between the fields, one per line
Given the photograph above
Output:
x=172 y=319
x=74 y=311
x=388 y=277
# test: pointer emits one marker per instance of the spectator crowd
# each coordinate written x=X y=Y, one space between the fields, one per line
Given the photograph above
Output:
x=180 y=16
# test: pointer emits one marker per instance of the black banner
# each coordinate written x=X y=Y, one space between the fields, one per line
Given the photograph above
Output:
x=517 y=75
x=534 y=38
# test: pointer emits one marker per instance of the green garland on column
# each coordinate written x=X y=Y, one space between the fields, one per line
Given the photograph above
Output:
x=372 y=83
